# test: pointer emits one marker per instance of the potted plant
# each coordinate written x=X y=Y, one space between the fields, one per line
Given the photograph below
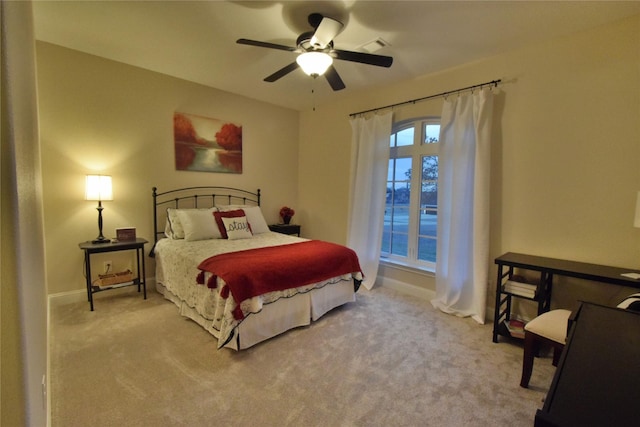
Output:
x=286 y=213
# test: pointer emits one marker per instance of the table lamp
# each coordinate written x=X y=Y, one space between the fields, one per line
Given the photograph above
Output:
x=98 y=187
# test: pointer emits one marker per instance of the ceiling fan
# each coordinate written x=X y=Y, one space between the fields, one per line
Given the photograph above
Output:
x=316 y=52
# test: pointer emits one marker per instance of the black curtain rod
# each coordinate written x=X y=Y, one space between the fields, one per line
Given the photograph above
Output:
x=413 y=101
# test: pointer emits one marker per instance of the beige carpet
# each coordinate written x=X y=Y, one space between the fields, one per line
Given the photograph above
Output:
x=386 y=360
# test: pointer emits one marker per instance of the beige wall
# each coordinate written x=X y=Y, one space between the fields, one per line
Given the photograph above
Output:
x=102 y=116
x=565 y=158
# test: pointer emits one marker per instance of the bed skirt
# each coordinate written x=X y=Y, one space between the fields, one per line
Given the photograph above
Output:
x=274 y=318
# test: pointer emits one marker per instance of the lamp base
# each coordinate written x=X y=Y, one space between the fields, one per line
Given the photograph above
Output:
x=101 y=240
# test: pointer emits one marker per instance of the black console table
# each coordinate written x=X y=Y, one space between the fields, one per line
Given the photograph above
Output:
x=596 y=383
x=548 y=267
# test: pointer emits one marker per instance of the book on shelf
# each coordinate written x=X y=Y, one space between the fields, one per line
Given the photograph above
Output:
x=515 y=327
x=521 y=285
x=520 y=288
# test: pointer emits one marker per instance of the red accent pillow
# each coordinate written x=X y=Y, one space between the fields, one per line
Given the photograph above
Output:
x=227 y=214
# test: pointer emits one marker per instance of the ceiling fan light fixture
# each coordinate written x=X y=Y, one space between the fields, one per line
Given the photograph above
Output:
x=314 y=63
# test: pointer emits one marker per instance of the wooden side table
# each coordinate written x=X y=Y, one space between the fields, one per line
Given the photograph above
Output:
x=95 y=248
x=286 y=228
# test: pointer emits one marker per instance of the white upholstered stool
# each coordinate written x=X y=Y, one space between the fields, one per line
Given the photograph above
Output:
x=632 y=302
x=548 y=328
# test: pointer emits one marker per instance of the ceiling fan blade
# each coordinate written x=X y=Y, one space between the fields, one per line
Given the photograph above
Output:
x=363 y=58
x=282 y=72
x=265 y=44
x=327 y=30
x=334 y=78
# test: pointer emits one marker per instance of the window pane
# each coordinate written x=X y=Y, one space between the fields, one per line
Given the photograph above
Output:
x=428 y=229
x=400 y=221
x=400 y=229
x=429 y=197
x=401 y=194
x=428 y=222
x=386 y=232
x=399 y=245
x=403 y=169
x=430 y=168
x=427 y=249
x=399 y=169
x=431 y=133
x=396 y=224
x=404 y=137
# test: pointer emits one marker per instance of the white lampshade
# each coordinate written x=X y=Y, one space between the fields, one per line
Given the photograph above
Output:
x=98 y=187
x=636 y=222
x=314 y=63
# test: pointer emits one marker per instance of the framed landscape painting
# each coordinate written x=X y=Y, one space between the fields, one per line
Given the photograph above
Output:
x=206 y=145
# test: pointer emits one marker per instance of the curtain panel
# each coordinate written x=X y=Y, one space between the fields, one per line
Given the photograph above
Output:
x=462 y=263
x=369 y=164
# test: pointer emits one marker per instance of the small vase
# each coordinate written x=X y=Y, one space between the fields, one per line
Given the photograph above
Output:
x=286 y=219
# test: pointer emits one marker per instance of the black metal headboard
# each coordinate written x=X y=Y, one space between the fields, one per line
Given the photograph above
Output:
x=195 y=197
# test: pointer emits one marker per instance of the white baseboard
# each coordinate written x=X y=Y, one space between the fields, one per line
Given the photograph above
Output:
x=406 y=288
x=422 y=293
x=70 y=297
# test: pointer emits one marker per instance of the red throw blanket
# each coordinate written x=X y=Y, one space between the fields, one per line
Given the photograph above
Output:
x=254 y=272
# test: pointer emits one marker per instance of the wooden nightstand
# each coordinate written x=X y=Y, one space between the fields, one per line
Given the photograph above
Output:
x=286 y=228
x=94 y=248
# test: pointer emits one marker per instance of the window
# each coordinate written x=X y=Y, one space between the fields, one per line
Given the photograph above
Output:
x=411 y=211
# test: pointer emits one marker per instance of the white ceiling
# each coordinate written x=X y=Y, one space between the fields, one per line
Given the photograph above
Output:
x=196 y=41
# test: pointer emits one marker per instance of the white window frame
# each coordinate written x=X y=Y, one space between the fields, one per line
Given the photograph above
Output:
x=416 y=152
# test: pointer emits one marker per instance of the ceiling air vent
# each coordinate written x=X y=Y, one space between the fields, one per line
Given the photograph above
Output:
x=375 y=45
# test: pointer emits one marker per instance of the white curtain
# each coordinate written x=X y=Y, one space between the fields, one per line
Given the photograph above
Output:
x=369 y=165
x=462 y=261
x=24 y=309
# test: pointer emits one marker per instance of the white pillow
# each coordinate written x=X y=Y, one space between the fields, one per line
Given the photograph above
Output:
x=237 y=228
x=167 y=229
x=256 y=219
x=173 y=228
x=198 y=224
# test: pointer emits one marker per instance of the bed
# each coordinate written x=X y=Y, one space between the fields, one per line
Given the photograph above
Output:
x=219 y=263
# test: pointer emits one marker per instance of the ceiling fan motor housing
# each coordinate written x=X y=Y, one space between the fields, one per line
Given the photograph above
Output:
x=305 y=44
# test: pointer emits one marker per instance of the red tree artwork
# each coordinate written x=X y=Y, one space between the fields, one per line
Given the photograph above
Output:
x=207 y=145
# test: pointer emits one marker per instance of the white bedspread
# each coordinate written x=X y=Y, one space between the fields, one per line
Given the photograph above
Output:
x=176 y=271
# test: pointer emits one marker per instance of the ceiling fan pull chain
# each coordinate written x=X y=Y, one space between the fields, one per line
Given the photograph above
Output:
x=313 y=93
